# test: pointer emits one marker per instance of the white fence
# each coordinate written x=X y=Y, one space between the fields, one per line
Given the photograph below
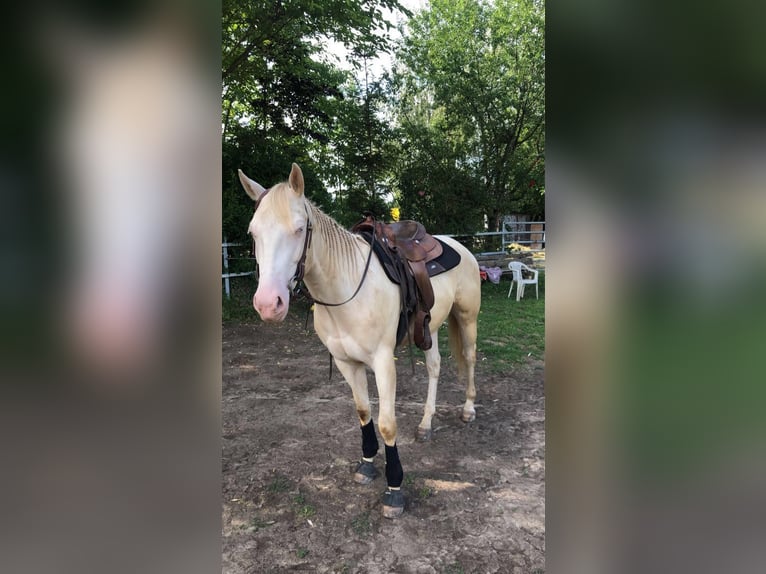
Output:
x=530 y=234
x=226 y=275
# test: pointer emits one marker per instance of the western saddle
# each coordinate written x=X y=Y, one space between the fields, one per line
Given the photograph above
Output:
x=408 y=247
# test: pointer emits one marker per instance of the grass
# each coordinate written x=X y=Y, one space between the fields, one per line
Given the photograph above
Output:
x=361 y=524
x=302 y=508
x=420 y=491
x=257 y=524
x=239 y=307
x=424 y=492
x=279 y=484
x=454 y=568
x=510 y=331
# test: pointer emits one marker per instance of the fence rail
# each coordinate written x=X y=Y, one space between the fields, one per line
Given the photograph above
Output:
x=227 y=257
x=529 y=234
x=238 y=260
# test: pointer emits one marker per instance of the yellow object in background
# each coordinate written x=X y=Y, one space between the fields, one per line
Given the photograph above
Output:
x=395 y=214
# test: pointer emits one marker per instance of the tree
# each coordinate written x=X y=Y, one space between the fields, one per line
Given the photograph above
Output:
x=282 y=96
x=436 y=186
x=363 y=150
x=472 y=74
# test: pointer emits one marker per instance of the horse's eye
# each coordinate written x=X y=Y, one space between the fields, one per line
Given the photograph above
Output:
x=299 y=230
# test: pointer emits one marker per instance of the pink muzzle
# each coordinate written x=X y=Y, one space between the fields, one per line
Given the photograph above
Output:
x=271 y=302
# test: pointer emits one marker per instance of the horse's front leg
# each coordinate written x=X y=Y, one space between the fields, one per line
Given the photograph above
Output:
x=356 y=376
x=385 y=378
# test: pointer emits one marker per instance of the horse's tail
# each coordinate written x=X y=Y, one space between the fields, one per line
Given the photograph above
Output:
x=455 y=339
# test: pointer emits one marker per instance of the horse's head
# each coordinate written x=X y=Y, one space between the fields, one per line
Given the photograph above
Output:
x=279 y=228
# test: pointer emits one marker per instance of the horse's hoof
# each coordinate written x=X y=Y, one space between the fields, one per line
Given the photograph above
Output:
x=393 y=503
x=423 y=434
x=468 y=417
x=365 y=472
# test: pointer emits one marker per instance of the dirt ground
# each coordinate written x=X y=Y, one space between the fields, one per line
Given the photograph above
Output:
x=475 y=493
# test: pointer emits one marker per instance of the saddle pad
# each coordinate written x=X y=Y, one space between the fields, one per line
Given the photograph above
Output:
x=449 y=259
x=446 y=261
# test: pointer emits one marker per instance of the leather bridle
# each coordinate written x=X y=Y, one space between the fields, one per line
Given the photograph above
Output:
x=300 y=268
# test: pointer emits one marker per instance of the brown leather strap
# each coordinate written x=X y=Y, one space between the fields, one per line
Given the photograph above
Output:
x=420 y=273
x=300 y=268
x=260 y=199
x=422 y=329
x=423 y=313
x=361 y=281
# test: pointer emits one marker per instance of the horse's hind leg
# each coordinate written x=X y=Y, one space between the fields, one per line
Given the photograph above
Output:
x=462 y=337
x=468 y=335
x=433 y=364
x=356 y=376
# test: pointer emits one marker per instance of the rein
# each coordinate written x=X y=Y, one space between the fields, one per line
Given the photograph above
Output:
x=361 y=281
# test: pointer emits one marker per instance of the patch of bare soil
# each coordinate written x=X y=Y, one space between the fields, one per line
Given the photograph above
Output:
x=291 y=439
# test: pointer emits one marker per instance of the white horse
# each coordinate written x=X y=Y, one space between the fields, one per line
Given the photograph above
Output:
x=359 y=325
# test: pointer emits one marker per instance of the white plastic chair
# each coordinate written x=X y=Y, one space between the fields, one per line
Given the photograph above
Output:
x=516 y=267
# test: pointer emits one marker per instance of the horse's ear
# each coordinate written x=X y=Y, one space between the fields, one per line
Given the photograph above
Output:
x=296 y=179
x=253 y=189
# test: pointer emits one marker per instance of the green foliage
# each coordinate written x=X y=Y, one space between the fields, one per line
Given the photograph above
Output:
x=236 y=309
x=470 y=76
x=454 y=137
x=285 y=100
x=274 y=74
x=363 y=155
x=268 y=164
x=424 y=492
x=445 y=198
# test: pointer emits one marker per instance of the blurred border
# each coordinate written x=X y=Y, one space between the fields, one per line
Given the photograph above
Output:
x=655 y=312
x=110 y=417
x=655 y=315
